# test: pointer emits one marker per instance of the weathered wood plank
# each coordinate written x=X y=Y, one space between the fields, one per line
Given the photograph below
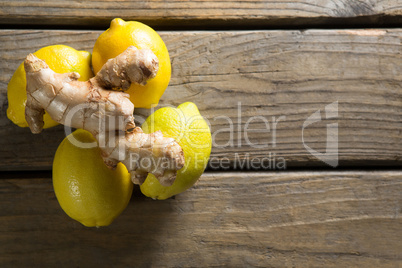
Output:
x=272 y=219
x=257 y=89
x=203 y=13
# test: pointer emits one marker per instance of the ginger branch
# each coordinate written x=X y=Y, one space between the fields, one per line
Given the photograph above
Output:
x=108 y=114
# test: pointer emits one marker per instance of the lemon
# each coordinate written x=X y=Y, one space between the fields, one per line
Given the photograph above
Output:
x=87 y=190
x=61 y=59
x=186 y=125
x=118 y=38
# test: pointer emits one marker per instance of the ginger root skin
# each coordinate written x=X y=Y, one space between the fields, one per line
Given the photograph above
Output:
x=97 y=107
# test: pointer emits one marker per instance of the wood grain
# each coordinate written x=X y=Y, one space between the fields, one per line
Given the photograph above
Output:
x=203 y=13
x=271 y=219
x=273 y=76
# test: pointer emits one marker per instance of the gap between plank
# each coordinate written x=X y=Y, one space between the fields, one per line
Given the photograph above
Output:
x=364 y=22
x=36 y=174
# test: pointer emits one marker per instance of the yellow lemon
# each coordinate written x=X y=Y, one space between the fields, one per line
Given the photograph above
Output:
x=61 y=59
x=87 y=190
x=191 y=131
x=118 y=38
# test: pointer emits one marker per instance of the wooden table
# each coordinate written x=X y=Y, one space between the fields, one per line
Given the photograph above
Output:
x=258 y=71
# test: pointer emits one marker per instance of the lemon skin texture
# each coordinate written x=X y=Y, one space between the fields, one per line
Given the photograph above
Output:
x=61 y=59
x=86 y=189
x=191 y=131
x=118 y=38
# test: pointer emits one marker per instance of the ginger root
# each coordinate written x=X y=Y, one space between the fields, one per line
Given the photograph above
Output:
x=106 y=113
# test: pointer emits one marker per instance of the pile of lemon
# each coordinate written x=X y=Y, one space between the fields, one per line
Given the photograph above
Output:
x=86 y=189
